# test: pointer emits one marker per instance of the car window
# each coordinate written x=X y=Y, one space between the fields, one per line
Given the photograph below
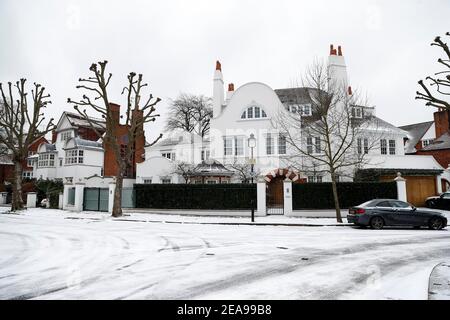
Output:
x=400 y=204
x=446 y=195
x=369 y=203
x=384 y=204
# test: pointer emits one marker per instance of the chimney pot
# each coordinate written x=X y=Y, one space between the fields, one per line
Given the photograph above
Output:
x=339 y=50
x=231 y=87
x=350 y=90
x=218 y=66
x=331 y=49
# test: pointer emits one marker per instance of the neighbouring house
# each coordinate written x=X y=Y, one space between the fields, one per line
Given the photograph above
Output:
x=78 y=157
x=7 y=166
x=432 y=138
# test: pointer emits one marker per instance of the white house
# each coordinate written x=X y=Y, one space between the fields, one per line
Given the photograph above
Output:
x=252 y=109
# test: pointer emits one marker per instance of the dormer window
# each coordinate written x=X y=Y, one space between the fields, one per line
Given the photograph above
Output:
x=253 y=112
x=357 y=112
x=303 y=109
x=66 y=135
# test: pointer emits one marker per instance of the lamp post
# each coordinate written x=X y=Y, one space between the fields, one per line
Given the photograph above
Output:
x=252 y=145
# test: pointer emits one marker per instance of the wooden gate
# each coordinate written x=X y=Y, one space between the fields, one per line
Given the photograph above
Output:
x=275 y=196
x=418 y=188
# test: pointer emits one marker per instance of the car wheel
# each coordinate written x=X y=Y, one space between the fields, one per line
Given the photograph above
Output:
x=377 y=223
x=430 y=204
x=436 y=223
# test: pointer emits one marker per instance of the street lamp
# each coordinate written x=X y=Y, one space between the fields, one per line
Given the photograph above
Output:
x=252 y=145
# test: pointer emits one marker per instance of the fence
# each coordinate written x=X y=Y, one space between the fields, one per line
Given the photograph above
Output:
x=320 y=195
x=196 y=196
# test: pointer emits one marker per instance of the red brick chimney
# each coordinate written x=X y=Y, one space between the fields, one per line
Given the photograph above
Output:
x=115 y=112
x=350 y=92
x=231 y=87
x=441 y=122
x=332 y=50
x=218 y=66
x=339 y=51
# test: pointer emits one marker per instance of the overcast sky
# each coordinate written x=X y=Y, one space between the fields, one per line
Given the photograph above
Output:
x=175 y=45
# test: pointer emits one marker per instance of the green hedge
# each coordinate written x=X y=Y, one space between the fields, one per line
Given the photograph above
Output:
x=320 y=195
x=49 y=189
x=196 y=196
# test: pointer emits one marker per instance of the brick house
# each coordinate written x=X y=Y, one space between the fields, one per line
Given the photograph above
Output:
x=431 y=138
x=7 y=166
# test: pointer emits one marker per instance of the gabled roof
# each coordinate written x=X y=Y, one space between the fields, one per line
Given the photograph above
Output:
x=77 y=121
x=380 y=124
x=443 y=142
x=295 y=95
x=415 y=133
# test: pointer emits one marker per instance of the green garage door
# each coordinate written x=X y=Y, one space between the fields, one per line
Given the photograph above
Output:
x=95 y=199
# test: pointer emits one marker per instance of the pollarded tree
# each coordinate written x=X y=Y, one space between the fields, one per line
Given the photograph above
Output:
x=332 y=139
x=436 y=92
x=190 y=113
x=21 y=125
x=184 y=169
x=138 y=112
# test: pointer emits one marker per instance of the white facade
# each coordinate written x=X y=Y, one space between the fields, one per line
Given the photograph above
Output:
x=69 y=158
x=252 y=109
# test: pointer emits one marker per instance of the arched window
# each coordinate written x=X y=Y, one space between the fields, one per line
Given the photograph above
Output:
x=253 y=112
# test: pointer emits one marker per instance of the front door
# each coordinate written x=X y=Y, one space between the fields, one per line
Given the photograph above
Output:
x=275 y=196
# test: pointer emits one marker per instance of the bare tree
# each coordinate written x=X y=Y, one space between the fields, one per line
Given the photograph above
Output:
x=21 y=125
x=138 y=112
x=183 y=169
x=243 y=170
x=330 y=139
x=191 y=113
x=440 y=82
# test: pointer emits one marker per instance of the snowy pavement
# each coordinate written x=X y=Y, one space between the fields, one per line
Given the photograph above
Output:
x=51 y=254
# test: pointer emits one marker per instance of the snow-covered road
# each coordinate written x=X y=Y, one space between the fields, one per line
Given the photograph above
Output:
x=45 y=254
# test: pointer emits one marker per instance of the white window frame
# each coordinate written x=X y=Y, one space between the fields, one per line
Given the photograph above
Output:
x=282 y=144
x=228 y=146
x=239 y=147
x=46 y=160
x=383 y=147
x=357 y=112
x=256 y=112
x=392 y=147
x=166 y=180
x=65 y=135
x=270 y=144
x=74 y=156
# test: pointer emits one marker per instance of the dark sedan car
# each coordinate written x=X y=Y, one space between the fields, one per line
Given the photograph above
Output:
x=439 y=202
x=390 y=212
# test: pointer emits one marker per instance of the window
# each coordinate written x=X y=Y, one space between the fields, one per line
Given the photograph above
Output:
x=239 y=146
x=359 y=145
x=306 y=110
x=205 y=155
x=384 y=204
x=293 y=109
x=228 y=146
x=269 y=144
x=383 y=146
x=399 y=204
x=147 y=181
x=27 y=174
x=74 y=156
x=66 y=135
x=169 y=155
x=71 y=197
x=257 y=112
x=318 y=145
x=356 y=112
x=60 y=162
x=46 y=160
x=253 y=112
x=309 y=145
x=166 y=180
x=427 y=142
x=281 y=144
x=314 y=179
x=211 y=182
x=366 y=146
x=250 y=112
x=391 y=147
x=30 y=162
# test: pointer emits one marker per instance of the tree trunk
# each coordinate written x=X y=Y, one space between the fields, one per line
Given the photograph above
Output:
x=336 y=198
x=17 y=201
x=117 y=202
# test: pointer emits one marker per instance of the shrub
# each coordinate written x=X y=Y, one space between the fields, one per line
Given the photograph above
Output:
x=49 y=189
x=320 y=195
x=196 y=196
